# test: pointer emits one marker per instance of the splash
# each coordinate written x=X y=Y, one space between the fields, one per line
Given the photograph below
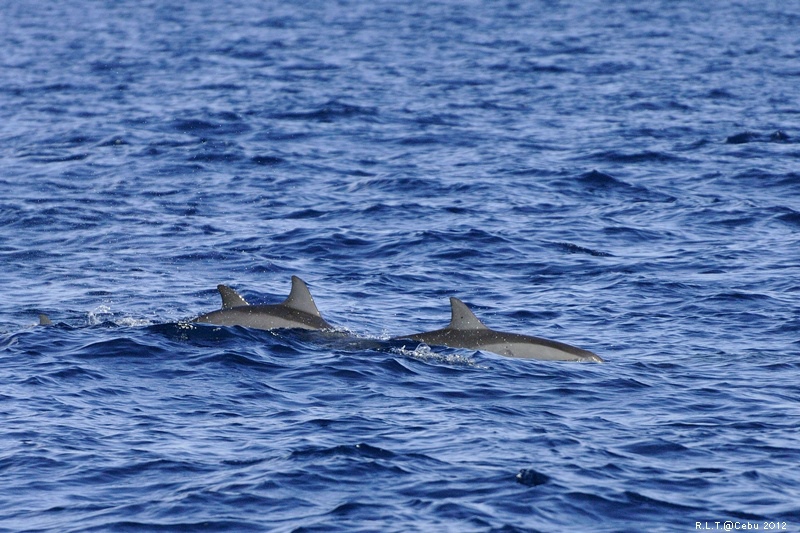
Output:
x=423 y=352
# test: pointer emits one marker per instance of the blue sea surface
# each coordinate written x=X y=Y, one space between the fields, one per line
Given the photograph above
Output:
x=620 y=176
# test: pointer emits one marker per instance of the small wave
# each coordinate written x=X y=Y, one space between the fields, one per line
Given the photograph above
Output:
x=656 y=448
x=329 y=112
x=790 y=217
x=304 y=214
x=267 y=160
x=392 y=184
x=757 y=177
x=62 y=158
x=737 y=296
x=595 y=181
x=613 y=156
x=211 y=156
x=419 y=140
x=720 y=94
x=222 y=127
x=667 y=105
x=576 y=249
x=545 y=68
x=75 y=372
x=235 y=359
x=120 y=347
x=193 y=125
x=745 y=137
x=607 y=68
x=210 y=524
x=356 y=450
x=116 y=140
x=663 y=505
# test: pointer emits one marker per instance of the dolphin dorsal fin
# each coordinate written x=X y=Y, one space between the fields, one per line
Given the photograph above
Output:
x=300 y=298
x=230 y=298
x=462 y=317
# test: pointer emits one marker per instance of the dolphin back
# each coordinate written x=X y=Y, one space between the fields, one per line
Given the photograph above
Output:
x=467 y=331
x=297 y=311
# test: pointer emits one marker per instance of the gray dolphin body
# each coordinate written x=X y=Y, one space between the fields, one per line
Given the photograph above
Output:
x=467 y=331
x=297 y=311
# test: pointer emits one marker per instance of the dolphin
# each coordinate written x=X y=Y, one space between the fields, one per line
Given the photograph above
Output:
x=297 y=311
x=467 y=331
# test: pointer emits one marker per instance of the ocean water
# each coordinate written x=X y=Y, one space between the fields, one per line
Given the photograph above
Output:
x=623 y=177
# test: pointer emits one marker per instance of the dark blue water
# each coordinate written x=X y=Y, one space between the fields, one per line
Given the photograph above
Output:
x=624 y=178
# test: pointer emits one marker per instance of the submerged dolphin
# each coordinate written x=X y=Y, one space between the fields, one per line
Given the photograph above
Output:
x=297 y=311
x=467 y=331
